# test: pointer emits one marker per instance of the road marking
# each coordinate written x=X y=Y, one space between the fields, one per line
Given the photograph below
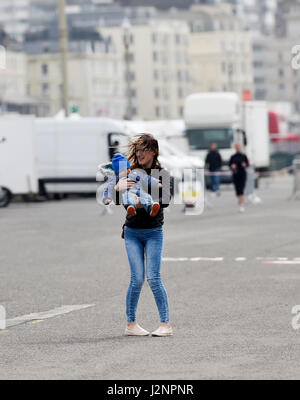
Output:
x=193 y=259
x=264 y=260
x=272 y=258
x=39 y=317
x=291 y=262
x=36 y=321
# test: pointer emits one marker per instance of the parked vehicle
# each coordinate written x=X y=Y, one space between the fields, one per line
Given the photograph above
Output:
x=69 y=152
x=222 y=118
x=18 y=171
x=255 y=124
x=172 y=157
x=282 y=141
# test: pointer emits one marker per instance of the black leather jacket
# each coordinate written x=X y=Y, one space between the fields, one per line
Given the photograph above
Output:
x=142 y=220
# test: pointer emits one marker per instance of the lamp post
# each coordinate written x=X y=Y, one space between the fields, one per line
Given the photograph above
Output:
x=229 y=53
x=126 y=41
x=63 y=40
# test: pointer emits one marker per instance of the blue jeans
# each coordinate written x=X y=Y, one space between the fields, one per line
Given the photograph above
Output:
x=215 y=182
x=129 y=198
x=144 y=249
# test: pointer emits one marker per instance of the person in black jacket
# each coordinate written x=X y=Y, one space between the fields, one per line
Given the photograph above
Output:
x=238 y=164
x=144 y=238
x=214 y=164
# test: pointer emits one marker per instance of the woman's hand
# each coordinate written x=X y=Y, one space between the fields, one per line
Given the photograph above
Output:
x=124 y=184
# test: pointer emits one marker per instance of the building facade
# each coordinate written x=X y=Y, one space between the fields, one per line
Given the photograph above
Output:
x=94 y=84
x=14 y=95
x=277 y=78
x=158 y=69
x=220 y=49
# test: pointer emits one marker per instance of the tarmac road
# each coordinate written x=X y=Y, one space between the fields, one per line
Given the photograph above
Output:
x=232 y=281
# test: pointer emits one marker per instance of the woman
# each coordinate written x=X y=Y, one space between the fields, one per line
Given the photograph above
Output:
x=144 y=239
x=238 y=163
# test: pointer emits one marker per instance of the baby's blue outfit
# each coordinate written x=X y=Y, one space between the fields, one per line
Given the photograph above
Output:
x=129 y=196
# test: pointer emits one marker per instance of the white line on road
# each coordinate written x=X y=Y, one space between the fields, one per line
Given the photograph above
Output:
x=272 y=258
x=45 y=315
x=264 y=260
x=193 y=259
x=291 y=262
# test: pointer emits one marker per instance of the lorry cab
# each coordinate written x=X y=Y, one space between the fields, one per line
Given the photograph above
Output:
x=213 y=117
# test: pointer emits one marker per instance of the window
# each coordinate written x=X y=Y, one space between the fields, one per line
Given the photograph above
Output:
x=163 y=58
x=129 y=57
x=155 y=56
x=259 y=80
x=157 y=93
x=258 y=64
x=180 y=93
x=224 y=67
x=165 y=94
x=45 y=89
x=157 y=111
x=260 y=94
x=281 y=73
x=200 y=139
x=45 y=69
x=130 y=75
x=156 y=75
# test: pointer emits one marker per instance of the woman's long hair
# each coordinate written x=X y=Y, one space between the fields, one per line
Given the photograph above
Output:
x=150 y=143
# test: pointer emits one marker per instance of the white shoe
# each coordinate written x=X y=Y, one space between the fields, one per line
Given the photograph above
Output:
x=163 y=331
x=136 y=330
x=242 y=209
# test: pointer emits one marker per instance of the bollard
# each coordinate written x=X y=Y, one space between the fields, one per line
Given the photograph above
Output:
x=296 y=191
x=2 y=318
x=250 y=183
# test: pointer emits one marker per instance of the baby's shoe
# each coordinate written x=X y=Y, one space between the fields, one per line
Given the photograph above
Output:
x=131 y=211
x=155 y=210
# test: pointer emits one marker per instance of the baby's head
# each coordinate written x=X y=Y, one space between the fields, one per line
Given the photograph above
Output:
x=121 y=165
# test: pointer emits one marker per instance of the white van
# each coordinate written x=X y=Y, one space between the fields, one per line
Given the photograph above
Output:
x=69 y=152
x=18 y=172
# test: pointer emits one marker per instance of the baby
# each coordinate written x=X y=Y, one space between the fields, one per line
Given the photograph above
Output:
x=130 y=197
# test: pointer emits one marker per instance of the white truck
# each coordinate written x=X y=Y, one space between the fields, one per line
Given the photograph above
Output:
x=18 y=170
x=222 y=118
